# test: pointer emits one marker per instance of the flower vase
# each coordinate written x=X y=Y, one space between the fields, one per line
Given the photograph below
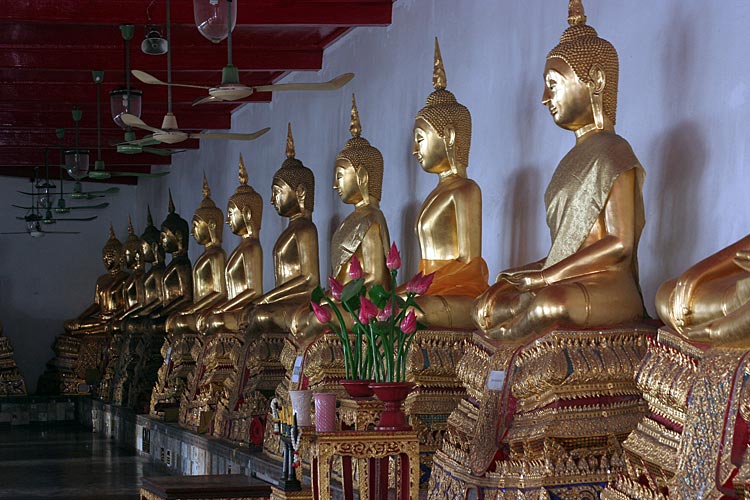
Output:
x=357 y=389
x=392 y=394
x=325 y=411
x=301 y=405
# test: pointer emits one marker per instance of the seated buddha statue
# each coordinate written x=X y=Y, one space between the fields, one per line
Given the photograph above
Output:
x=593 y=202
x=295 y=254
x=133 y=290
x=152 y=253
x=710 y=302
x=449 y=223
x=358 y=180
x=209 y=285
x=220 y=326
x=107 y=294
x=177 y=278
x=244 y=270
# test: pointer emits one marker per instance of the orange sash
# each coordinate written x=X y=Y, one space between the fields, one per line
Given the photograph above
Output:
x=453 y=277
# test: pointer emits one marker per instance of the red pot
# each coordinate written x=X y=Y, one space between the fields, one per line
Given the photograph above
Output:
x=357 y=389
x=392 y=394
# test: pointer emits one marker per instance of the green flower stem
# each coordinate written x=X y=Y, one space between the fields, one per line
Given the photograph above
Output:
x=344 y=337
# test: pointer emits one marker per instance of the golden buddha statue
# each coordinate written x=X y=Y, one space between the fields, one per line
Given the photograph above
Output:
x=209 y=285
x=244 y=270
x=133 y=290
x=709 y=302
x=177 y=280
x=449 y=223
x=594 y=206
x=358 y=180
x=107 y=294
x=220 y=325
x=295 y=254
x=153 y=253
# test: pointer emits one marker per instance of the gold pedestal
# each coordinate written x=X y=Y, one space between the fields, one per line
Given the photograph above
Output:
x=78 y=362
x=693 y=441
x=172 y=377
x=11 y=381
x=217 y=360
x=543 y=417
x=244 y=402
x=113 y=354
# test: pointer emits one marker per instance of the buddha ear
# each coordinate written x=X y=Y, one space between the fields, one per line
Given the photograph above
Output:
x=449 y=136
x=597 y=82
x=363 y=181
x=301 y=192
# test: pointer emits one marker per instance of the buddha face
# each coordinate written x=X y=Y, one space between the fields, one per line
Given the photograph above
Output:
x=147 y=251
x=111 y=260
x=236 y=220
x=566 y=96
x=429 y=148
x=133 y=257
x=168 y=240
x=346 y=183
x=201 y=231
x=284 y=199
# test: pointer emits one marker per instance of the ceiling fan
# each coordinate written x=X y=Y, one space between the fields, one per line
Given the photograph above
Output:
x=231 y=89
x=169 y=132
x=35 y=230
x=34 y=212
x=128 y=100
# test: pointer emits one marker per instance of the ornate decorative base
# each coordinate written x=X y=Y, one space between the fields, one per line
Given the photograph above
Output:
x=693 y=440
x=279 y=494
x=547 y=415
x=11 y=381
x=78 y=364
x=216 y=361
x=172 y=376
x=247 y=391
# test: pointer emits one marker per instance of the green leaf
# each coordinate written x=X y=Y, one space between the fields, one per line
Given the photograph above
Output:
x=379 y=296
x=352 y=289
x=317 y=295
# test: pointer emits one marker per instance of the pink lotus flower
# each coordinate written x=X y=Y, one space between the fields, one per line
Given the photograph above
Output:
x=367 y=310
x=322 y=313
x=336 y=287
x=355 y=268
x=419 y=284
x=409 y=324
x=393 y=261
x=387 y=311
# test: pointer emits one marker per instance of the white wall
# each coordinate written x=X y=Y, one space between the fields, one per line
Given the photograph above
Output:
x=683 y=103
x=47 y=280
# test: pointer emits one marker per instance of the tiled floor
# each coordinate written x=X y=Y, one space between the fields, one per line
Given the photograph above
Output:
x=68 y=463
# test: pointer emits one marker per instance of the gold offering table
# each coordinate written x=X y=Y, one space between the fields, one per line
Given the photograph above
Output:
x=376 y=447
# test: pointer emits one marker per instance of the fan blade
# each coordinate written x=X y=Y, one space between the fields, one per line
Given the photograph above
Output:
x=162 y=152
x=334 y=84
x=137 y=174
x=152 y=80
x=134 y=121
x=232 y=137
x=146 y=141
x=203 y=100
x=61 y=232
x=89 y=207
x=16 y=232
x=24 y=208
x=78 y=219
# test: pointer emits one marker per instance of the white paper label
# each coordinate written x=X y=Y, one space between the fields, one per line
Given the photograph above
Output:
x=495 y=380
x=169 y=356
x=297 y=369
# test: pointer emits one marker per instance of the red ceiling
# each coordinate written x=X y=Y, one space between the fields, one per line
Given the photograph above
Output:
x=49 y=47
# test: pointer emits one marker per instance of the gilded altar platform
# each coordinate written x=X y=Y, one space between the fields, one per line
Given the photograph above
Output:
x=546 y=417
x=78 y=364
x=11 y=380
x=692 y=443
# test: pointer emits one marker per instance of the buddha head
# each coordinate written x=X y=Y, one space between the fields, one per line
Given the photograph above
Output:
x=151 y=247
x=133 y=249
x=112 y=252
x=442 y=129
x=358 y=175
x=581 y=76
x=245 y=207
x=208 y=220
x=293 y=190
x=174 y=231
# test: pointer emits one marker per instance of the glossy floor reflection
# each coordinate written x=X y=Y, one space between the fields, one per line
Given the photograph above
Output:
x=66 y=463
